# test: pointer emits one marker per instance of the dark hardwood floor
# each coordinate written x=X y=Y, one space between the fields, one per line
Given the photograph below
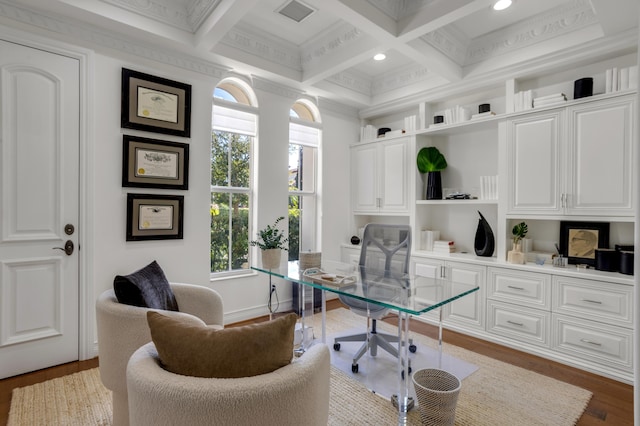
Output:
x=612 y=402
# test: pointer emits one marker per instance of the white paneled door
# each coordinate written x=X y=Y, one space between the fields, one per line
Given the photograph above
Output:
x=39 y=197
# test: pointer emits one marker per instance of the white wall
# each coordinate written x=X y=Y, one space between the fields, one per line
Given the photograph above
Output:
x=187 y=260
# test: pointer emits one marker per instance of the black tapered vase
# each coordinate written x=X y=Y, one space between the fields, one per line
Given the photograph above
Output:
x=484 y=242
x=434 y=186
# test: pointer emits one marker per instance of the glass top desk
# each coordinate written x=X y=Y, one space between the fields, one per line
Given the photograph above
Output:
x=406 y=294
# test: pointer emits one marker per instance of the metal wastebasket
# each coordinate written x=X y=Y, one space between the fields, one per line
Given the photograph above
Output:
x=437 y=393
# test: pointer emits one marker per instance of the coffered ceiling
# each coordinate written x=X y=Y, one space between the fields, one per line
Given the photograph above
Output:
x=431 y=45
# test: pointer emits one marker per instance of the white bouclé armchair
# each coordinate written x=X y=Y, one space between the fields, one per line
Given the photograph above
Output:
x=296 y=394
x=122 y=329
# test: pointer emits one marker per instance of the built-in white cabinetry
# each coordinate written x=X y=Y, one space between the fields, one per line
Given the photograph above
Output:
x=572 y=161
x=534 y=163
x=379 y=177
x=466 y=313
x=600 y=154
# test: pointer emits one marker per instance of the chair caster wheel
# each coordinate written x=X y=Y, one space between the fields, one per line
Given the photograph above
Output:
x=413 y=349
x=402 y=373
x=354 y=368
x=336 y=346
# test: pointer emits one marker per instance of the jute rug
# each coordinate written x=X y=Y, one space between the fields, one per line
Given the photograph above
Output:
x=496 y=394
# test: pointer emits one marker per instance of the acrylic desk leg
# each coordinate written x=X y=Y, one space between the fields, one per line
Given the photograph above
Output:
x=303 y=304
x=404 y=401
x=440 y=340
x=324 y=317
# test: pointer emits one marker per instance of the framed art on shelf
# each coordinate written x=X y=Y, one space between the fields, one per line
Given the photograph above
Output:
x=155 y=104
x=579 y=240
x=152 y=163
x=154 y=217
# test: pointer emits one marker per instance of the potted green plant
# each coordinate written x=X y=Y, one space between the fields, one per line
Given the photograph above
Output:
x=432 y=162
x=271 y=241
x=519 y=231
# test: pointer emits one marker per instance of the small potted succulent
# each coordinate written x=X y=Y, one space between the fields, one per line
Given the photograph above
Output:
x=519 y=231
x=271 y=241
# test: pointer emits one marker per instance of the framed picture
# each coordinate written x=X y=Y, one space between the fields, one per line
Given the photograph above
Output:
x=579 y=240
x=155 y=104
x=154 y=217
x=152 y=163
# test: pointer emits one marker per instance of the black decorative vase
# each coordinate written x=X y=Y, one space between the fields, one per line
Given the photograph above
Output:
x=434 y=186
x=484 y=242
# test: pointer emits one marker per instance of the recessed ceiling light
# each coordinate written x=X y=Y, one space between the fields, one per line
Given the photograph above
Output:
x=501 y=4
x=380 y=57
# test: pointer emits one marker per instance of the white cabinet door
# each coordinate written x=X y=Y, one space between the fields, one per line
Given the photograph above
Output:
x=393 y=183
x=364 y=175
x=601 y=158
x=468 y=311
x=534 y=158
x=379 y=177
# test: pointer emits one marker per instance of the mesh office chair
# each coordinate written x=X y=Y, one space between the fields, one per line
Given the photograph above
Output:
x=386 y=249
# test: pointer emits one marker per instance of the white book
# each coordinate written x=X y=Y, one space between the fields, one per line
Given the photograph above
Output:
x=624 y=79
x=553 y=96
x=608 y=78
x=633 y=77
x=614 y=81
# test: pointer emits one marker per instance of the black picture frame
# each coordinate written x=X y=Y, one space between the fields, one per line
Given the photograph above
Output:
x=155 y=104
x=153 y=163
x=579 y=240
x=154 y=217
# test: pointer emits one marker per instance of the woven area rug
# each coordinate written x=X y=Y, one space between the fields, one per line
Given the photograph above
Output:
x=496 y=394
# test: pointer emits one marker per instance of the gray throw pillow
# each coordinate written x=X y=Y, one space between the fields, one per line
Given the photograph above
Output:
x=147 y=288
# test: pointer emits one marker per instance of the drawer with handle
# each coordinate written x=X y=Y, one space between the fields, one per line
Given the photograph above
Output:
x=521 y=287
x=520 y=323
x=594 y=300
x=593 y=341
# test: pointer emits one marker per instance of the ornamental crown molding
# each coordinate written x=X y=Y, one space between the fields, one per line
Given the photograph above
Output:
x=263 y=45
x=335 y=37
x=167 y=12
x=90 y=35
x=563 y=19
x=269 y=86
x=327 y=106
x=399 y=9
x=352 y=80
x=187 y=18
x=450 y=41
x=405 y=76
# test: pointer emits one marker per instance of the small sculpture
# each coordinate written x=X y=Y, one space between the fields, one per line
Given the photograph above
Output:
x=484 y=243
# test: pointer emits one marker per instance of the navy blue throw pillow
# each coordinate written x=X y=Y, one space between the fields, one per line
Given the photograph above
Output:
x=147 y=288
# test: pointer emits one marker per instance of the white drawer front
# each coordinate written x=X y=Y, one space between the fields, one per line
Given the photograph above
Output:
x=593 y=341
x=528 y=288
x=595 y=300
x=517 y=322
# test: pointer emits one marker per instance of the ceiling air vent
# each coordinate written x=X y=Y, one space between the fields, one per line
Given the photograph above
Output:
x=295 y=10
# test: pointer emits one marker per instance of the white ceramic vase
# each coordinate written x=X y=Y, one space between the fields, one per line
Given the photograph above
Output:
x=271 y=258
x=516 y=255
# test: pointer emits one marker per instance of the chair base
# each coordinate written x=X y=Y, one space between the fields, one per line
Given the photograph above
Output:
x=372 y=341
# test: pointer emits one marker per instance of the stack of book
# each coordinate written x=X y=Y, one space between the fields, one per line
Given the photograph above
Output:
x=621 y=79
x=523 y=100
x=549 y=100
x=444 y=246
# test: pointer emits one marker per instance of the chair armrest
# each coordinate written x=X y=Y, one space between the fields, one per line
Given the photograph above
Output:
x=202 y=302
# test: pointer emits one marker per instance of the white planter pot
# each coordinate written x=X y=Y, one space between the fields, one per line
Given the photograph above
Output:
x=271 y=258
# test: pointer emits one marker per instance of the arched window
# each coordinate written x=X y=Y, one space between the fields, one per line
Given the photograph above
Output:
x=232 y=134
x=304 y=143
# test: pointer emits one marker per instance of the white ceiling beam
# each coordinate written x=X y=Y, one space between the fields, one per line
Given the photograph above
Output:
x=224 y=17
x=436 y=61
x=365 y=16
x=436 y=15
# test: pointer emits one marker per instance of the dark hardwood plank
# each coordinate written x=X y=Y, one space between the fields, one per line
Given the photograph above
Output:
x=612 y=402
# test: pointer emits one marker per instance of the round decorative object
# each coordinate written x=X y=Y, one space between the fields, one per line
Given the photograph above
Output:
x=355 y=240
x=582 y=88
x=383 y=130
x=437 y=119
x=484 y=108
